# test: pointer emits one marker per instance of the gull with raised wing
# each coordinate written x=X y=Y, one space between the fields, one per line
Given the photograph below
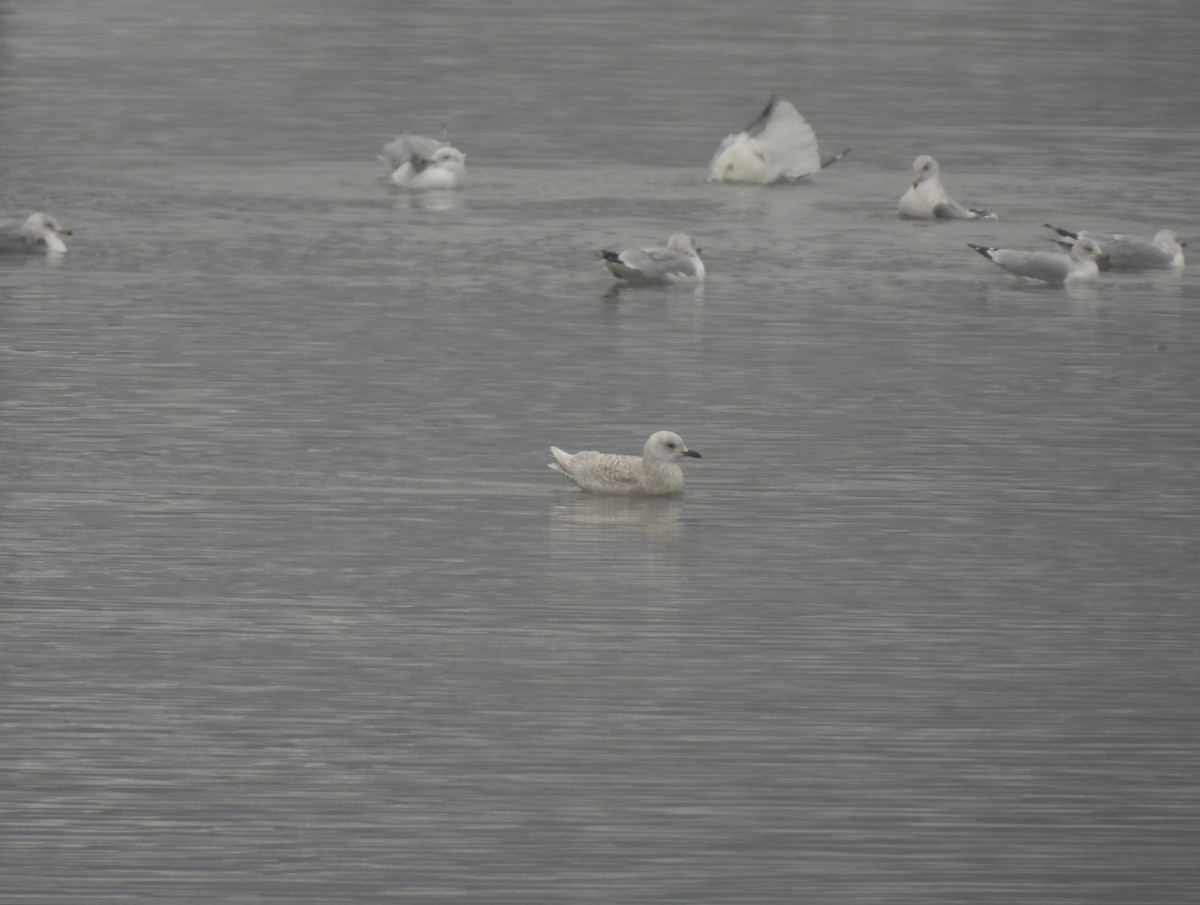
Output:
x=1048 y=266
x=1123 y=251
x=779 y=146
x=418 y=162
x=678 y=262
x=655 y=472
x=926 y=198
x=38 y=233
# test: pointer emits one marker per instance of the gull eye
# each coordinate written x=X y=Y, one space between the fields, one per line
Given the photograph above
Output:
x=670 y=446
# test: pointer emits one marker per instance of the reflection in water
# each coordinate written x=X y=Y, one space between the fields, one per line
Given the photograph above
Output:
x=1163 y=283
x=432 y=200
x=657 y=515
x=614 y=292
x=1081 y=292
x=37 y=260
x=625 y=549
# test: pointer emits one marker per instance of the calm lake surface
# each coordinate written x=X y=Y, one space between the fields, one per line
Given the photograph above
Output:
x=291 y=609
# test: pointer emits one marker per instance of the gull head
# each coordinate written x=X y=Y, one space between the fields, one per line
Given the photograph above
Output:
x=48 y=230
x=44 y=225
x=1087 y=247
x=667 y=446
x=683 y=242
x=448 y=158
x=1167 y=237
x=924 y=169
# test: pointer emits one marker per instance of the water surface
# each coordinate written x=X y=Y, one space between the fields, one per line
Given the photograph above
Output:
x=294 y=611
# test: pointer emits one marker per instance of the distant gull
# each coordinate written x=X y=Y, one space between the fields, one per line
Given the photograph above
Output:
x=38 y=233
x=655 y=472
x=678 y=262
x=418 y=162
x=1048 y=266
x=1127 y=252
x=926 y=199
x=778 y=146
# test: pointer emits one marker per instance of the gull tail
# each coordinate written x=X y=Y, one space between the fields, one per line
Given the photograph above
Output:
x=984 y=250
x=1066 y=233
x=980 y=213
x=562 y=460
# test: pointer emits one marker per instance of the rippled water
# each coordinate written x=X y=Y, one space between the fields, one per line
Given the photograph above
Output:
x=294 y=611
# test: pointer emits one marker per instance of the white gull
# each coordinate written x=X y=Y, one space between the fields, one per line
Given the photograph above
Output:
x=778 y=146
x=418 y=162
x=926 y=198
x=37 y=233
x=655 y=472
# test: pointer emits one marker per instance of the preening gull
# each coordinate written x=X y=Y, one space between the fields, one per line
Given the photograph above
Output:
x=655 y=472
x=779 y=145
x=1048 y=266
x=678 y=262
x=38 y=233
x=418 y=162
x=926 y=199
x=1127 y=252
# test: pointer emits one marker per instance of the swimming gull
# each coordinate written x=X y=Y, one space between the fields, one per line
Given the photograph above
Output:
x=1048 y=266
x=678 y=262
x=1127 y=252
x=779 y=145
x=38 y=233
x=418 y=162
x=926 y=199
x=655 y=472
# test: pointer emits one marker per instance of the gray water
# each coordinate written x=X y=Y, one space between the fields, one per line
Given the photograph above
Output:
x=293 y=610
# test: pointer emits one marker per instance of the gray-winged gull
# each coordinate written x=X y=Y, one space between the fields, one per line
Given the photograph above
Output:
x=678 y=262
x=926 y=198
x=1127 y=252
x=1048 y=266
x=655 y=472
x=37 y=233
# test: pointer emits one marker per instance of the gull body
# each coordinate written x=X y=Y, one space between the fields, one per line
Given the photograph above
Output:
x=655 y=472
x=779 y=146
x=677 y=262
x=38 y=233
x=1123 y=251
x=418 y=162
x=1048 y=266
x=926 y=198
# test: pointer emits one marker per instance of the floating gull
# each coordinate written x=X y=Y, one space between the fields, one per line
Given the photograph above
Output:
x=418 y=162
x=39 y=233
x=679 y=262
x=1126 y=252
x=926 y=199
x=655 y=472
x=778 y=146
x=1048 y=266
